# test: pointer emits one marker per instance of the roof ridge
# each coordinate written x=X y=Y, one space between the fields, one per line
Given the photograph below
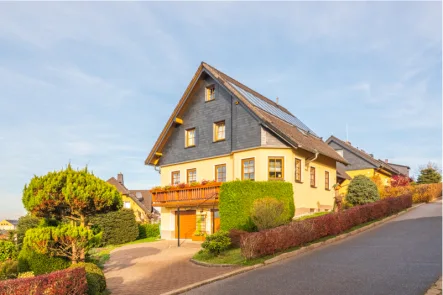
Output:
x=241 y=85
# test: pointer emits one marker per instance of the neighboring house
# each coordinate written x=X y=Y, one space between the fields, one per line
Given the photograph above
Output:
x=140 y=201
x=223 y=130
x=8 y=224
x=360 y=163
x=403 y=169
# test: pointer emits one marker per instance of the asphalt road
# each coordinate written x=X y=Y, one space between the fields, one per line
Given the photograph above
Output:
x=403 y=256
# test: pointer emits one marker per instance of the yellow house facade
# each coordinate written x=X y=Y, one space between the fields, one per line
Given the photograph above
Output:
x=360 y=163
x=7 y=224
x=222 y=130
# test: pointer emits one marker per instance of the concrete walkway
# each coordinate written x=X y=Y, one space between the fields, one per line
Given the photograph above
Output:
x=401 y=257
x=155 y=268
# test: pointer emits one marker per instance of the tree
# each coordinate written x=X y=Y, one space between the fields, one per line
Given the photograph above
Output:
x=72 y=194
x=65 y=240
x=400 y=180
x=429 y=174
x=362 y=190
x=24 y=223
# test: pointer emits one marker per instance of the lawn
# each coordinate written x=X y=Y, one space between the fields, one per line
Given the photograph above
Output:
x=312 y=215
x=100 y=256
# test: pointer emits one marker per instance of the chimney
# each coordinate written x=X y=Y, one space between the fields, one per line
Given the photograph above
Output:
x=348 y=142
x=372 y=155
x=386 y=161
x=120 y=178
x=276 y=100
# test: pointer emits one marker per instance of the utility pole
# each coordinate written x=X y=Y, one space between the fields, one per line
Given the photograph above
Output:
x=178 y=226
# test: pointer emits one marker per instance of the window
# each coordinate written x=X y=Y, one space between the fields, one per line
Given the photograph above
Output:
x=312 y=176
x=201 y=223
x=220 y=173
x=210 y=93
x=340 y=152
x=248 y=169
x=275 y=168
x=127 y=205
x=298 y=170
x=192 y=175
x=175 y=177
x=190 y=137
x=326 y=180
x=219 y=131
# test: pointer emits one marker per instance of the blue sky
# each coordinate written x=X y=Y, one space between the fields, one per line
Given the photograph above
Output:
x=94 y=83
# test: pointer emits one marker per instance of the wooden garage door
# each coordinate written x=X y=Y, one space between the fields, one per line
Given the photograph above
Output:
x=187 y=224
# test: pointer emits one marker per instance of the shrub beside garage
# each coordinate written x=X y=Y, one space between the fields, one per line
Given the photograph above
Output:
x=237 y=199
x=302 y=232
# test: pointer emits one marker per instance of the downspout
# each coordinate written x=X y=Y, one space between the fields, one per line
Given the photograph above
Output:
x=158 y=170
x=309 y=160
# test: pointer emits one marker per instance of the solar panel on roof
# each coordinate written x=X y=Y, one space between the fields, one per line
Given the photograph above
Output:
x=273 y=110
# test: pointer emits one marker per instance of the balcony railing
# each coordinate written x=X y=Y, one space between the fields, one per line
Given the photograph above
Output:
x=193 y=195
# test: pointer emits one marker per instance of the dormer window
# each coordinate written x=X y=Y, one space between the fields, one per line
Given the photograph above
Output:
x=210 y=93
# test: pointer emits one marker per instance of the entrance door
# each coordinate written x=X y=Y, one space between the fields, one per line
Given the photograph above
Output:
x=216 y=220
x=187 y=224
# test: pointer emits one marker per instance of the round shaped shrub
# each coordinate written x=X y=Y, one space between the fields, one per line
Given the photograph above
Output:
x=94 y=276
x=362 y=190
x=40 y=264
x=8 y=269
x=268 y=213
x=217 y=243
x=8 y=250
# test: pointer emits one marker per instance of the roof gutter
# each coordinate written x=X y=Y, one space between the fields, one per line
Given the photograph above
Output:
x=312 y=159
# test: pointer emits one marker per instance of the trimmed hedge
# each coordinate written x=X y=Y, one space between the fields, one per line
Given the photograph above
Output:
x=67 y=282
x=302 y=232
x=94 y=276
x=148 y=230
x=420 y=193
x=118 y=227
x=39 y=264
x=237 y=198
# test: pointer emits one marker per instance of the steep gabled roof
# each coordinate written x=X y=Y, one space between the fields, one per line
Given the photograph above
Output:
x=124 y=191
x=270 y=114
x=341 y=173
x=368 y=158
x=12 y=221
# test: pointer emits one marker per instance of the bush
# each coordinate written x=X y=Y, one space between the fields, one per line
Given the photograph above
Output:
x=426 y=192
x=362 y=190
x=302 y=232
x=67 y=282
x=148 y=230
x=8 y=250
x=8 y=270
x=235 y=236
x=118 y=227
x=267 y=213
x=237 y=198
x=24 y=223
x=217 y=243
x=28 y=274
x=29 y=260
x=94 y=276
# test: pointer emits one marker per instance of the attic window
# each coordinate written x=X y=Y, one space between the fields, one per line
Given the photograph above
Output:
x=340 y=152
x=210 y=93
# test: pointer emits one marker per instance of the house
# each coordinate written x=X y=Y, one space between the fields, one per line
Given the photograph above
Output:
x=360 y=163
x=140 y=201
x=8 y=224
x=223 y=130
x=402 y=169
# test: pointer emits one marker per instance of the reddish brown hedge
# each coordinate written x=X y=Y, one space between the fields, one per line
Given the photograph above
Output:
x=68 y=281
x=302 y=232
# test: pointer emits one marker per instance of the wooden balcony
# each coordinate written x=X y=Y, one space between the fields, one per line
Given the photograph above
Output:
x=202 y=195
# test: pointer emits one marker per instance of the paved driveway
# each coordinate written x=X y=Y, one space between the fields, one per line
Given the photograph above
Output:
x=155 y=268
x=403 y=256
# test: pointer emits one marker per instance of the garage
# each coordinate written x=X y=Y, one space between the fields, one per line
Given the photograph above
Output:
x=187 y=224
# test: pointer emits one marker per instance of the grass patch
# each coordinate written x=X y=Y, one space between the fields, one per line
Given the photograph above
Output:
x=233 y=256
x=100 y=256
x=312 y=215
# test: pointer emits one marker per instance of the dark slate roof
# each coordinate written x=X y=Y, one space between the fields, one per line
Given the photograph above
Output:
x=295 y=136
x=12 y=221
x=124 y=191
x=367 y=157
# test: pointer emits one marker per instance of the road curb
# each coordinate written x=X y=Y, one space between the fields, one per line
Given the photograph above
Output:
x=287 y=255
x=201 y=263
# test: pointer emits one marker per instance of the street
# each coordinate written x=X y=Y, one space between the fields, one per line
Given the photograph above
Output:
x=403 y=256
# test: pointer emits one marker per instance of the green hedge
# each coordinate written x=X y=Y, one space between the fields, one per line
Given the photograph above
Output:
x=237 y=197
x=118 y=227
x=94 y=276
x=39 y=264
x=148 y=230
x=8 y=250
